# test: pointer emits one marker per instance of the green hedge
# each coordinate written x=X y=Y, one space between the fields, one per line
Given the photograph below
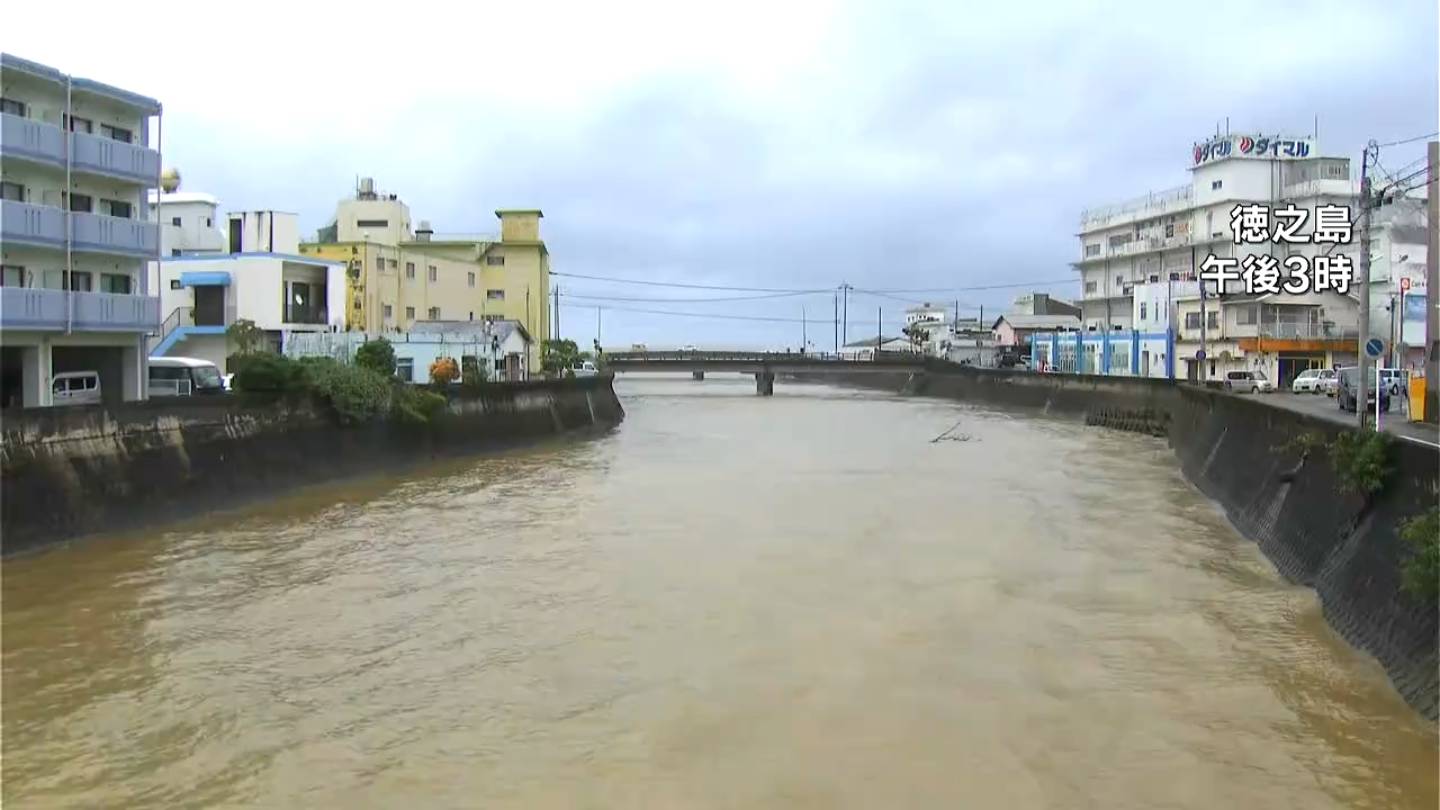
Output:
x=355 y=394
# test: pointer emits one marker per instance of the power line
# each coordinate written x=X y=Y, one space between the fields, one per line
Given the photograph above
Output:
x=1015 y=285
x=719 y=315
x=763 y=297
x=685 y=285
x=1410 y=140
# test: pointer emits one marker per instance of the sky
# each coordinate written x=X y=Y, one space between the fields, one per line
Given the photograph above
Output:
x=893 y=146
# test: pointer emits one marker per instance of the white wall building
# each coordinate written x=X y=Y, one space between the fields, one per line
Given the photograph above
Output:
x=75 y=164
x=1398 y=250
x=256 y=275
x=1166 y=236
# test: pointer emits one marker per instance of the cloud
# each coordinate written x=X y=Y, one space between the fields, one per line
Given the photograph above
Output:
x=892 y=145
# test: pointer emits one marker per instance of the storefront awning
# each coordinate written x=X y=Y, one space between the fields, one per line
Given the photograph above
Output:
x=205 y=279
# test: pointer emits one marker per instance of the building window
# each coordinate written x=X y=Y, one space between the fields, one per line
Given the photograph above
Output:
x=1192 y=320
x=175 y=221
x=75 y=124
x=394 y=264
x=10 y=106
x=470 y=279
x=1215 y=186
x=372 y=223
x=1154 y=277
x=12 y=191
x=410 y=269
x=115 y=283
x=409 y=313
x=208 y=223
x=175 y=252
x=81 y=282
x=78 y=202
x=12 y=275
x=433 y=273
x=495 y=295
x=175 y=282
x=380 y=263
x=116 y=208
x=1169 y=231
x=495 y=261
x=1142 y=310
x=1119 y=281
x=116 y=133
x=434 y=313
x=499 y=364
x=1174 y=276
x=1092 y=250
x=405 y=369
x=1090 y=286
x=1212 y=320
x=387 y=311
x=1245 y=316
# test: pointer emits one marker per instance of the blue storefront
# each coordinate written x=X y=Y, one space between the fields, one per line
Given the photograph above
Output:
x=1128 y=353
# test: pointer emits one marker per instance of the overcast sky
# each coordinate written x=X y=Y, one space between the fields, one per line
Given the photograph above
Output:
x=788 y=145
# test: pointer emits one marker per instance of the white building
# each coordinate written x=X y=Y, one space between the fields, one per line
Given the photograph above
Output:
x=502 y=348
x=865 y=349
x=1166 y=236
x=1398 y=250
x=75 y=164
x=256 y=274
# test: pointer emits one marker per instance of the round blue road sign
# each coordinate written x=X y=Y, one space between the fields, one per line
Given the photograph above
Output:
x=1374 y=347
x=1200 y=355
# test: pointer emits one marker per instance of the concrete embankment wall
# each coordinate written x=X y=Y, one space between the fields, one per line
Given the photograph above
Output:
x=74 y=471
x=1233 y=448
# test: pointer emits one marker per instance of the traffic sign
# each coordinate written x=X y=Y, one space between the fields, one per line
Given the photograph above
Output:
x=1404 y=285
x=1374 y=347
x=1200 y=355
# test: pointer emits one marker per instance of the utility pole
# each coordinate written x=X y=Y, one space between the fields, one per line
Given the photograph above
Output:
x=836 y=300
x=845 y=313
x=1432 y=290
x=597 y=326
x=804 y=338
x=557 y=311
x=879 y=330
x=1362 y=399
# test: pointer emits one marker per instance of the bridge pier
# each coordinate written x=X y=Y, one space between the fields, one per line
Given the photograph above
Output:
x=765 y=383
x=697 y=375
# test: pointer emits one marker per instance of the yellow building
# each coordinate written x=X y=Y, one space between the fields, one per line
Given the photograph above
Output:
x=397 y=276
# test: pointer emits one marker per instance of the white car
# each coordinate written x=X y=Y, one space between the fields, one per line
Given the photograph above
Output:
x=689 y=347
x=585 y=369
x=1254 y=382
x=1315 y=381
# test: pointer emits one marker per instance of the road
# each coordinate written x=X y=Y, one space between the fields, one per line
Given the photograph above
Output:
x=1395 y=421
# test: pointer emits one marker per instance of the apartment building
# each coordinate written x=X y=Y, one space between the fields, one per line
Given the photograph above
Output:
x=75 y=165
x=399 y=274
x=252 y=270
x=1164 y=237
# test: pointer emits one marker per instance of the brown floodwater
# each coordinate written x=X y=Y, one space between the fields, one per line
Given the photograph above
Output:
x=728 y=601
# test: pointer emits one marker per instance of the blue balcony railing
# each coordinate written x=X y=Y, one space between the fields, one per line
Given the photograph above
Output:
x=49 y=310
x=38 y=141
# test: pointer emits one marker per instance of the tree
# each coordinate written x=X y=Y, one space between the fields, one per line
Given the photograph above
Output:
x=377 y=356
x=247 y=337
x=444 y=371
x=558 y=355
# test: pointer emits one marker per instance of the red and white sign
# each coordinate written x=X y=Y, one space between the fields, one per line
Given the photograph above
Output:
x=1404 y=285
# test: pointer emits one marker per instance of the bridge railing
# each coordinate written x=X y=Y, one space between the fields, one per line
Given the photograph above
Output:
x=660 y=358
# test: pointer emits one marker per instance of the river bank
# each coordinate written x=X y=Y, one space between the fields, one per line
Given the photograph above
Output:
x=70 y=472
x=1239 y=451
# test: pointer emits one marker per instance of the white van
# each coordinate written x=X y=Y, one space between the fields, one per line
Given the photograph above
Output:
x=184 y=377
x=75 y=388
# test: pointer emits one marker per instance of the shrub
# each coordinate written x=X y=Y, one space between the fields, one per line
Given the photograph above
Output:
x=1361 y=461
x=415 y=405
x=1422 y=571
x=267 y=372
x=377 y=356
x=356 y=394
x=444 y=371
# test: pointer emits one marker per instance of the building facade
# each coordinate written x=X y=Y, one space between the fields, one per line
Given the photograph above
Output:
x=501 y=348
x=258 y=276
x=397 y=276
x=1165 y=237
x=76 y=163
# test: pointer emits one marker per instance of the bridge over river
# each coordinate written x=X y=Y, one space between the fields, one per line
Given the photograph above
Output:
x=764 y=365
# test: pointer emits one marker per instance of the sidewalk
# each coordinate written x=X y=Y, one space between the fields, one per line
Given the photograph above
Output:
x=1395 y=422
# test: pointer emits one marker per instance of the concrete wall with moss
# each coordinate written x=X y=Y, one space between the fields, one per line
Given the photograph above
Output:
x=69 y=472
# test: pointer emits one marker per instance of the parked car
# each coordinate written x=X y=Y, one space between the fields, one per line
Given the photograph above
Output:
x=75 y=388
x=1253 y=381
x=1313 y=381
x=1395 y=380
x=689 y=347
x=585 y=368
x=1348 y=392
x=184 y=377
